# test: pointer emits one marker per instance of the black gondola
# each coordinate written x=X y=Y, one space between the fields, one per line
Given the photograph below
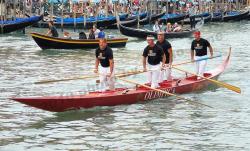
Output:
x=151 y=19
x=79 y=23
x=173 y=19
x=47 y=42
x=101 y=23
x=142 y=33
x=142 y=15
x=248 y=16
x=240 y=16
x=218 y=17
x=128 y=23
x=198 y=19
x=134 y=22
x=10 y=26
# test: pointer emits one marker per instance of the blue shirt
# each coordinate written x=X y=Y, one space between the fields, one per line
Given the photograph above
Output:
x=101 y=34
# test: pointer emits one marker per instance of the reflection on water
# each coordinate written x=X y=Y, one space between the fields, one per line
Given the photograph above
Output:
x=161 y=124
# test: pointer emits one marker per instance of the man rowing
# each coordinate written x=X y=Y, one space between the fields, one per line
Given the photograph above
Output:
x=167 y=49
x=153 y=55
x=52 y=30
x=104 y=56
x=199 y=51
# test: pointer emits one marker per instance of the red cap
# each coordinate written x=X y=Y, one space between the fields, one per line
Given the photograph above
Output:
x=197 y=33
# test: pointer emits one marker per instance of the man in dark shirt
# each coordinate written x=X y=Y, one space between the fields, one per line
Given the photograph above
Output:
x=52 y=30
x=82 y=35
x=91 y=33
x=104 y=56
x=199 y=51
x=167 y=49
x=153 y=55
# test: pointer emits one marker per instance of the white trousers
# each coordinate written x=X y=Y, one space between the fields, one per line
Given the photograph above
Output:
x=153 y=75
x=165 y=74
x=106 y=82
x=200 y=65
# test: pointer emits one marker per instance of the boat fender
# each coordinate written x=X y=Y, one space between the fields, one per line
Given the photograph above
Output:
x=177 y=83
x=125 y=91
x=110 y=36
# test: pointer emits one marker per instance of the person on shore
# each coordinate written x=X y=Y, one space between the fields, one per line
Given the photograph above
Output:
x=52 y=30
x=102 y=11
x=199 y=51
x=104 y=57
x=153 y=55
x=167 y=49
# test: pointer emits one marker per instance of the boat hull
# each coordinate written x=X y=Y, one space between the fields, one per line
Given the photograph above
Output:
x=242 y=15
x=8 y=28
x=173 y=19
x=151 y=19
x=79 y=25
x=141 y=33
x=227 y=18
x=47 y=42
x=128 y=23
x=206 y=19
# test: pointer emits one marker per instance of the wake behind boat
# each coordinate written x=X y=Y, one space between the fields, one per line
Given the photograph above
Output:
x=122 y=96
x=47 y=42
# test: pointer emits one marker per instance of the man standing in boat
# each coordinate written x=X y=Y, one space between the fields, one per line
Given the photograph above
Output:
x=199 y=51
x=52 y=30
x=154 y=55
x=104 y=56
x=191 y=13
x=167 y=49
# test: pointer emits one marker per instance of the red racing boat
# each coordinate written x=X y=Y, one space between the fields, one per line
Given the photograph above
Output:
x=122 y=95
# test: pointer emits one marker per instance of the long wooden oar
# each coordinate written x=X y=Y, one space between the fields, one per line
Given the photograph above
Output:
x=68 y=79
x=124 y=74
x=141 y=71
x=222 y=84
x=164 y=92
x=186 y=62
x=86 y=77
